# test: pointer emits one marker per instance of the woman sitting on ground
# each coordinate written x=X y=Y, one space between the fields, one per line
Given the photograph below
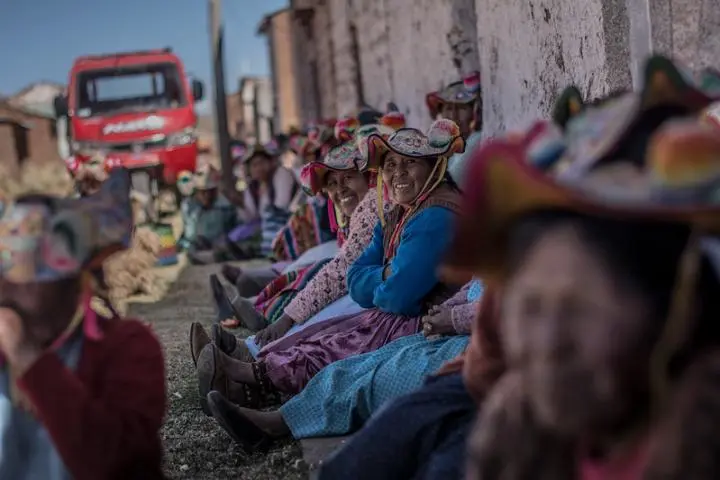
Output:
x=395 y=277
x=339 y=399
x=345 y=178
x=264 y=205
x=269 y=306
x=249 y=282
x=83 y=396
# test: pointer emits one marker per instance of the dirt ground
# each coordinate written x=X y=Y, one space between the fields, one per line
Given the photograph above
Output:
x=195 y=447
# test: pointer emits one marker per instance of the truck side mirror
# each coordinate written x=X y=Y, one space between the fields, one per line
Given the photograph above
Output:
x=61 y=106
x=198 y=90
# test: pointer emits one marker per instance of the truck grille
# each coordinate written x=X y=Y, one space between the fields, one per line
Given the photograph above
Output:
x=140 y=146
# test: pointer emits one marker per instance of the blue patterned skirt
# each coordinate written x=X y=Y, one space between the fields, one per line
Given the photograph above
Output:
x=343 y=395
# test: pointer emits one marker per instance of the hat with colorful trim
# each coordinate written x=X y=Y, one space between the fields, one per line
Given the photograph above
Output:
x=442 y=139
x=44 y=239
x=640 y=156
x=341 y=158
x=463 y=92
x=394 y=118
x=345 y=128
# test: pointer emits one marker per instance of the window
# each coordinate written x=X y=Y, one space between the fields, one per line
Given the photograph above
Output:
x=137 y=88
x=22 y=146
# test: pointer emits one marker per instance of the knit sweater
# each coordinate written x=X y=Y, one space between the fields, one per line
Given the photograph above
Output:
x=329 y=284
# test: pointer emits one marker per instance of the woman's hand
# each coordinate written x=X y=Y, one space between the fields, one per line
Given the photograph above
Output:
x=438 y=321
x=15 y=344
x=273 y=332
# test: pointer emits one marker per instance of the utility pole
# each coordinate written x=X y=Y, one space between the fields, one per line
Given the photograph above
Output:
x=221 y=121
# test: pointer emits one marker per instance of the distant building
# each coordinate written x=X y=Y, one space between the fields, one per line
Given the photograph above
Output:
x=278 y=29
x=28 y=130
x=255 y=120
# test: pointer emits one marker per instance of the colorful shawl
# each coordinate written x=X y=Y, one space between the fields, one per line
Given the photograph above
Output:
x=307 y=227
x=280 y=292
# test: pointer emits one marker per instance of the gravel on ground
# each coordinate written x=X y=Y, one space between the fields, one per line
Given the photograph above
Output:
x=195 y=447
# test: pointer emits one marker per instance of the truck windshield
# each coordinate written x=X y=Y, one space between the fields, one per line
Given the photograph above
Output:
x=129 y=89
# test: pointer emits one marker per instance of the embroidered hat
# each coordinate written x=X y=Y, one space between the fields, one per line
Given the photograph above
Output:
x=443 y=139
x=642 y=155
x=345 y=128
x=365 y=132
x=57 y=238
x=393 y=118
x=341 y=158
x=464 y=92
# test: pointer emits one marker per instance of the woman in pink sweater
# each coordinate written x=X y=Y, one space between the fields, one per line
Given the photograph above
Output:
x=343 y=175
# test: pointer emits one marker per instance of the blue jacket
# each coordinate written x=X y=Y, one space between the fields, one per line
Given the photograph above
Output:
x=413 y=269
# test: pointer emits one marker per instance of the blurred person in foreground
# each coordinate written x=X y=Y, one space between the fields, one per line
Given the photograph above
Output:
x=81 y=395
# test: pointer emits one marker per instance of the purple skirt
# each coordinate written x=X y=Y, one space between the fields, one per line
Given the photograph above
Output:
x=292 y=361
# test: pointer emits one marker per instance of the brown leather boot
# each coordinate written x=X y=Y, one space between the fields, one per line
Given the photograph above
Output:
x=198 y=340
x=230 y=344
x=212 y=370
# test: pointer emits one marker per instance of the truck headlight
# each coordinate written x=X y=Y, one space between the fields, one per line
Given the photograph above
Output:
x=181 y=138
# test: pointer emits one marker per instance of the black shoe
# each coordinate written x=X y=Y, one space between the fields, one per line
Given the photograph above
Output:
x=230 y=273
x=223 y=305
x=242 y=310
x=247 y=435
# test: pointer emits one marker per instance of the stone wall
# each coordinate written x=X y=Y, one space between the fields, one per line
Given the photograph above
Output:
x=687 y=30
x=526 y=50
x=530 y=50
x=411 y=47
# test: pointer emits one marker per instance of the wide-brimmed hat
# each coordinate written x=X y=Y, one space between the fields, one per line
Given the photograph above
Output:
x=55 y=238
x=641 y=156
x=394 y=118
x=464 y=92
x=341 y=158
x=345 y=128
x=365 y=132
x=443 y=139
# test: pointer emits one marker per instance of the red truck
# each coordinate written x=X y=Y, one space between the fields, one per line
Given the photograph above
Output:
x=133 y=109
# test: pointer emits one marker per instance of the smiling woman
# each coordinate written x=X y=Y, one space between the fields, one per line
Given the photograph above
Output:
x=394 y=279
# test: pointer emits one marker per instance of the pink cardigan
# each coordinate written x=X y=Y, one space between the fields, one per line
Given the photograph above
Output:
x=329 y=283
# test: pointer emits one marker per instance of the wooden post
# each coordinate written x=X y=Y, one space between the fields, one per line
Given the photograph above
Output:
x=221 y=121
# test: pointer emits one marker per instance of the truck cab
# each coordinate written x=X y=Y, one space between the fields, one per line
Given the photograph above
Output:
x=133 y=109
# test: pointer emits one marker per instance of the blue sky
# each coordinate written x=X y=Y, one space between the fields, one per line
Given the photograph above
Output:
x=40 y=38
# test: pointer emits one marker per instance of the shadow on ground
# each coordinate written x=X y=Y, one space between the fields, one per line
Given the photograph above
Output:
x=195 y=447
